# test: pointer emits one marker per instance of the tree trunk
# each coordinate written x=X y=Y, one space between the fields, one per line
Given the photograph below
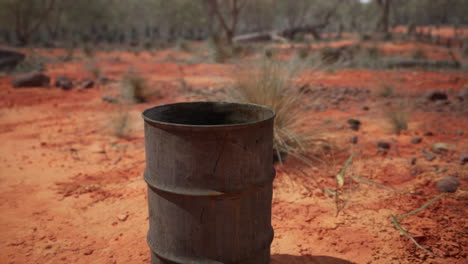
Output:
x=383 y=22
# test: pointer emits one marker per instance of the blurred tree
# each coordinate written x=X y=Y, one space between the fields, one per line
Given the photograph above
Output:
x=384 y=17
x=227 y=13
x=26 y=15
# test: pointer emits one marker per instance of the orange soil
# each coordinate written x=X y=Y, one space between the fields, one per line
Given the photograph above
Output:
x=444 y=31
x=66 y=180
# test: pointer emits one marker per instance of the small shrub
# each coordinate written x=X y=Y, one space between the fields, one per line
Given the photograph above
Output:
x=419 y=54
x=31 y=63
x=372 y=52
x=148 y=45
x=120 y=122
x=276 y=84
x=303 y=52
x=88 y=51
x=464 y=50
x=398 y=117
x=329 y=55
x=69 y=53
x=183 y=45
x=386 y=90
x=93 y=68
x=134 y=88
x=221 y=52
x=269 y=53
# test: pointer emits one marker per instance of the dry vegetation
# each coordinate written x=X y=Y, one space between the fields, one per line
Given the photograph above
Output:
x=355 y=129
x=277 y=84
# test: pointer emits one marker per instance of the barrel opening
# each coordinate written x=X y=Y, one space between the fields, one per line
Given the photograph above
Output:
x=208 y=113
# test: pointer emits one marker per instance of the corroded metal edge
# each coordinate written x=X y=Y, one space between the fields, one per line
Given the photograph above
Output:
x=198 y=260
x=206 y=192
x=176 y=126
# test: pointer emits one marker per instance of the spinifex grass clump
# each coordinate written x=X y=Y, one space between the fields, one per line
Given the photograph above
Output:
x=398 y=116
x=134 y=88
x=277 y=84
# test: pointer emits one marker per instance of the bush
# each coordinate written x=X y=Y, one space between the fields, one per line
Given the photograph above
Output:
x=386 y=90
x=277 y=84
x=419 y=54
x=134 y=88
x=398 y=117
x=329 y=55
x=93 y=68
x=120 y=122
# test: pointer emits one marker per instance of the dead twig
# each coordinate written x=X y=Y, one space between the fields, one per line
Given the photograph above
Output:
x=422 y=207
x=398 y=226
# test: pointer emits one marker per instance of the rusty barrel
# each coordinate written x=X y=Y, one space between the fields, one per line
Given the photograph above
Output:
x=209 y=172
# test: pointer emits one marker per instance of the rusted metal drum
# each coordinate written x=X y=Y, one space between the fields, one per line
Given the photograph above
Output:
x=209 y=173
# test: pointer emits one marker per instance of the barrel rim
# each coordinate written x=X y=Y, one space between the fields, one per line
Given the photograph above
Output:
x=162 y=124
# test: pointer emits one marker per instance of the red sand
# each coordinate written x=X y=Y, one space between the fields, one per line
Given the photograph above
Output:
x=71 y=192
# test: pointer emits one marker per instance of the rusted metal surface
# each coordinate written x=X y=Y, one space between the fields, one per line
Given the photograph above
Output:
x=209 y=173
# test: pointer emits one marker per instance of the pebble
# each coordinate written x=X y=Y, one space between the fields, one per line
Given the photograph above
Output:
x=110 y=99
x=441 y=147
x=428 y=156
x=383 y=145
x=448 y=184
x=416 y=140
x=122 y=217
x=354 y=124
x=353 y=139
x=463 y=158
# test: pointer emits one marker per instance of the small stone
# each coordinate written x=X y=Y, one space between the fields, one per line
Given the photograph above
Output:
x=441 y=147
x=459 y=133
x=448 y=184
x=463 y=158
x=427 y=155
x=383 y=145
x=87 y=83
x=436 y=95
x=110 y=99
x=428 y=134
x=63 y=83
x=415 y=171
x=32 y=79
x=122 y=217
x=353 y=139
x=88 y=252
x=354 y=124
x=365 y=108
x=412 y=161
x=416 y=140
x=463 y=95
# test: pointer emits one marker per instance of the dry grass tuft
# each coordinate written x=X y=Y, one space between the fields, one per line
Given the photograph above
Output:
x=419 y=54
x=398 y=117
x=120 y=122
x=134 y=88
x=93 y=69
x=277 y=84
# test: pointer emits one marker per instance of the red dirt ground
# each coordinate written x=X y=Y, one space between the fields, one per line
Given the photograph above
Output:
x=72 y=192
